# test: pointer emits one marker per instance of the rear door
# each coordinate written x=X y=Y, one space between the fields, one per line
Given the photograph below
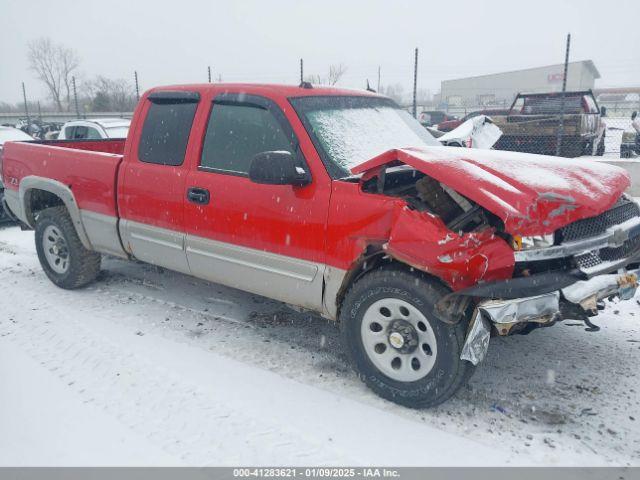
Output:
x=152 y=185
x=266 y=239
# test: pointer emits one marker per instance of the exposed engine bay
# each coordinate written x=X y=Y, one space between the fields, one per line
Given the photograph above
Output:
x=423 y=193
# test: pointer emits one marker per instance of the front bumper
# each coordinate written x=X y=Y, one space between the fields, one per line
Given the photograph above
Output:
x=508 y=315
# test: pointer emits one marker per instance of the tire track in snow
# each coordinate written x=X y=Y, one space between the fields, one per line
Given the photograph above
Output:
x=155 y=402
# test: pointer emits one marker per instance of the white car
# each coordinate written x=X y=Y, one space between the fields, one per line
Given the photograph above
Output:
x=95 y=129
x=8 y=134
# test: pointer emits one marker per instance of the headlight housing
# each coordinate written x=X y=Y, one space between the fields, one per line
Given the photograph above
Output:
x=536 y=241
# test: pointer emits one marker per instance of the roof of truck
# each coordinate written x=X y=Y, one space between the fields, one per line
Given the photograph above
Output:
x=267 y=88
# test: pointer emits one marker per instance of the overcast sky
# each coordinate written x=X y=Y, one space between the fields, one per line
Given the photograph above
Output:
x=261 y=41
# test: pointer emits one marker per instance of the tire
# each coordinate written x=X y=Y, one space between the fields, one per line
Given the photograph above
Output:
x=440 y=371
x=572 y=147
x=62 y=256
x=601 y=147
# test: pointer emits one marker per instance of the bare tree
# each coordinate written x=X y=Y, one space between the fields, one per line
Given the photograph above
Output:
x=110 y=95
x=54 y=65
x=335 y=73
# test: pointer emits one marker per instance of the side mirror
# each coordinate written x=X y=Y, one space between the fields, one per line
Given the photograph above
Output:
x=603 y=111
x=277 y=168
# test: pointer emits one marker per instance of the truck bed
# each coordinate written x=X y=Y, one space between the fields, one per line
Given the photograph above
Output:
x=88 y=167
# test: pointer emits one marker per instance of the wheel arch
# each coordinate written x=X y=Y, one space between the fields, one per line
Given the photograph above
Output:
x=37 y=193
x=374 y=257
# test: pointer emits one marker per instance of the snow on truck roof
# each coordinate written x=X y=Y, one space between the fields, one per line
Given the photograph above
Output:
x=266 y=88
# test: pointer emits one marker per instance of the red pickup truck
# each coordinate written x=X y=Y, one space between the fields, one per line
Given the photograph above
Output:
x=339 y=202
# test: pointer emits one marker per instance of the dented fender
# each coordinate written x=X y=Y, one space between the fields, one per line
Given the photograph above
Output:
x=461 y=261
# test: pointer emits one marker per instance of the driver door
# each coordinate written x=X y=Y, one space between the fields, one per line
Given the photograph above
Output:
x=266 y=239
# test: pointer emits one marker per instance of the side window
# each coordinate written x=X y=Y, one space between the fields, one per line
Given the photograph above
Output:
x=93 y=133
x=69 y=132
x=80 y=133
x=238 y=132
x=165 y=132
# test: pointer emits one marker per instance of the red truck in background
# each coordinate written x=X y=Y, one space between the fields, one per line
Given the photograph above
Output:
x=339 y=202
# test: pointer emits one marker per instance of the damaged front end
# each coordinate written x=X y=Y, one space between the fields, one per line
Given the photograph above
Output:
x=519 y=251
x=601 y=258
x=521 y=315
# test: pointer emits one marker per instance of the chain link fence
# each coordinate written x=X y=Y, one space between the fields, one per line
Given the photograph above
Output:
x=581 y=124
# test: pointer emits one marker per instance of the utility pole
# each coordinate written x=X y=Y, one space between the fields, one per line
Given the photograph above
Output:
x=209 y=71
x=378 y=89
x=135 y=76
x=562 y=97
x=39 y=111
x=301 y=71
x=415 y=85
x=75 y=96
x=26 y=107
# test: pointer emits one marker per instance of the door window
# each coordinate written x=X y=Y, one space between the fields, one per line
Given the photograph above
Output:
x=238 y=132
x=166 y=132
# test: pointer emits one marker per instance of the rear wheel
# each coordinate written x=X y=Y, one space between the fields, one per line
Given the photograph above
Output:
x=396 y=343
x=62 y=256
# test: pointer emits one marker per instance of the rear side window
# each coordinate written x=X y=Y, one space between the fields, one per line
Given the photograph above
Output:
x=166 y=132
x=236 y=133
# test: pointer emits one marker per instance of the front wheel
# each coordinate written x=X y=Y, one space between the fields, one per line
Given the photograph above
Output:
x=64 y=259
x=398 y=346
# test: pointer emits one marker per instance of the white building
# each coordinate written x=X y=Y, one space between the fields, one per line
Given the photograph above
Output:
x=499 y=89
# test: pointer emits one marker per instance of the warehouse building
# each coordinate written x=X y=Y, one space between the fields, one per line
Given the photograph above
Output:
x=499 y=89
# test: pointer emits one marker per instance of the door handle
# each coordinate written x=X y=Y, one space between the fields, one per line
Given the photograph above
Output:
x=198 y=195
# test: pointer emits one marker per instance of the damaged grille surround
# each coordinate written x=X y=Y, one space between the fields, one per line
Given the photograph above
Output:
x=596 y=244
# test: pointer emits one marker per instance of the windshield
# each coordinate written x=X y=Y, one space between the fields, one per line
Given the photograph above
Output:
x=12 y=134
x=349 y=131
x=117 y=132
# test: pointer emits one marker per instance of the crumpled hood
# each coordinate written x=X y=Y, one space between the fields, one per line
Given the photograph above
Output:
x=532 y=194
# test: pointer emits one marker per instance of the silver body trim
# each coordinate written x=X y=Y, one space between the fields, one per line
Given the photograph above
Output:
x=102 y=231
x=291 y=280
x=154 y=245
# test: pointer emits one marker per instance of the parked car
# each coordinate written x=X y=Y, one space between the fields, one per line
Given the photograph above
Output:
x=341 y=203
x=449 y=125
x=37 y=128
x=630 y=144
x=433 y=117
x=95 y=129
x=534 y=121
x=8 y=134
x=477 y=132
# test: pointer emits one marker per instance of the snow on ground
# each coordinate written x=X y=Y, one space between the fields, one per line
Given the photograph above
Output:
x=152 y=367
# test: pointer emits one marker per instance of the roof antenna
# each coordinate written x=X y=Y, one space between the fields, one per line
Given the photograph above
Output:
x=369 y=89
x=304 y=84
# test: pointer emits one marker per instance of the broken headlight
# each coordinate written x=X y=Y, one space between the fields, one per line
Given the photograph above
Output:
x=536 y=241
